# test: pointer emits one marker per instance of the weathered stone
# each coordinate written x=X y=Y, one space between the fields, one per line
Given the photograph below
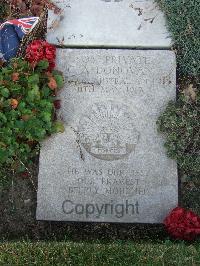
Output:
x=110 y=163
x=103 y=23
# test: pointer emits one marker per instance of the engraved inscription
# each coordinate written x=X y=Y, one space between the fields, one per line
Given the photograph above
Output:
x=113 y=74
x=107 y=182
x=107 y=131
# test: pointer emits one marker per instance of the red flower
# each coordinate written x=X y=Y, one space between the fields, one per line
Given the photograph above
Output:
x=41 y=50
x=182 y=224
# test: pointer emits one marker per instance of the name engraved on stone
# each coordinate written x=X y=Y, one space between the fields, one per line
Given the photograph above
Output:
x=107 y=131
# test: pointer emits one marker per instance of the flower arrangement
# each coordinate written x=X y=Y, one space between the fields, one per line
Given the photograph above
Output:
x=27 y=104
x=182 y=224
x=41 y=50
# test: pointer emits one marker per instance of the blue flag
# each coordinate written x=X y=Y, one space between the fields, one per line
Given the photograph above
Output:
x=11 y=33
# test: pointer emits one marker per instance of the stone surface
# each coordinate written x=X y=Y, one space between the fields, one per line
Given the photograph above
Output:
x=103 y=23
x=110 y=163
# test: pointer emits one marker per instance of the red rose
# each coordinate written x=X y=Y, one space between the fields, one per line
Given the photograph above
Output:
x=182 y=224
x=40 y=50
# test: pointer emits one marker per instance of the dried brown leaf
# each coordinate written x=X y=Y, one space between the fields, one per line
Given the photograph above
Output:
x=190 y=92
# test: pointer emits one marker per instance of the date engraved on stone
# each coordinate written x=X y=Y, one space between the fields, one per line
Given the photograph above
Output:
x=107 y=131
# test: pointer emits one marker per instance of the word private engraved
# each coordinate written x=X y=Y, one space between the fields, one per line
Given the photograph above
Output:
x=107 y=131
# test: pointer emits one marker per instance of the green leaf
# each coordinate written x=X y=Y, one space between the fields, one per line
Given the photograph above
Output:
x=3 y=155
x=34 y=79
x=46 y=116
x=34 y=94
x=41 y=132
x=43 y=64
x=21 y=105
x=3 y=118
x=59 y=127
x=59 y=80
x=46 y=91
x=19 y=124
x=4 y=92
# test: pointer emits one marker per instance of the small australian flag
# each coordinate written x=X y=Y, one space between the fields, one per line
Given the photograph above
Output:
x=11 y=33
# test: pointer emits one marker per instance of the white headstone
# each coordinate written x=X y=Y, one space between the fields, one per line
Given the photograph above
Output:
x=108 y=23
x=110 y=164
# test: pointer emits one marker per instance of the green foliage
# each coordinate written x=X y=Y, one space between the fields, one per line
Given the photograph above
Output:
x=180 y=124
x=86 y=254
x=26 y=111
x=180 y=120
x=183 y=20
